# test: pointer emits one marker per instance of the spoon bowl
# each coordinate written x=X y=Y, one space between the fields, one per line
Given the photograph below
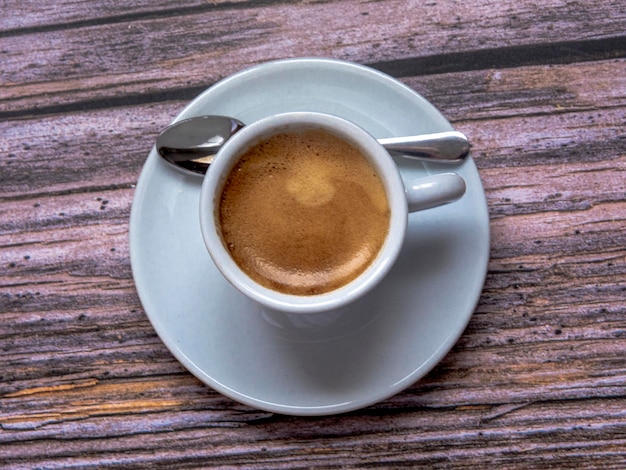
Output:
x=191 y=144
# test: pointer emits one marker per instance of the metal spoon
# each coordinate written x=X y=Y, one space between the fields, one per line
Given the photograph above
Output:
x=191 y=144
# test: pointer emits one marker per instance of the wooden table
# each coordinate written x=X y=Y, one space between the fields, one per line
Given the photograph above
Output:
x=538 y=379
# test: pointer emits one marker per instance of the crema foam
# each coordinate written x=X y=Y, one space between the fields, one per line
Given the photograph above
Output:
x=303 y=212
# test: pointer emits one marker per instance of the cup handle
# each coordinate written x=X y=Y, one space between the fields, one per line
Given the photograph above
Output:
x=433 y=191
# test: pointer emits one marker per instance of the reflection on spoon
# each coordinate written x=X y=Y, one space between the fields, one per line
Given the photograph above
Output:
x=191 y=144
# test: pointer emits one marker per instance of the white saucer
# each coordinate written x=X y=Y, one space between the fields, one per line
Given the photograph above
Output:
x=320 y=364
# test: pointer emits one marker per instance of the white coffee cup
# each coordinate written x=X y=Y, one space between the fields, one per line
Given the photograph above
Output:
x=403 y=198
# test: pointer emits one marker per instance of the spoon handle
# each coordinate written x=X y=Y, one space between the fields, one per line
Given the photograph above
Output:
x=449 y=146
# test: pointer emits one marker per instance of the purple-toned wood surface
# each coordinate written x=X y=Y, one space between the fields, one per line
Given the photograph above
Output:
x=538 y=379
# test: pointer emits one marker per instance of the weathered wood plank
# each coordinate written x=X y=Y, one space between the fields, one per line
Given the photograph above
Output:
x=519 y=435
x=524 y=105
x=25 y=17
x=40 y=68
x=510 y=19
x=90 y=152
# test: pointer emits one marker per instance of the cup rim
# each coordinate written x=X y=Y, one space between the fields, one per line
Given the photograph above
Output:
x=227 y=157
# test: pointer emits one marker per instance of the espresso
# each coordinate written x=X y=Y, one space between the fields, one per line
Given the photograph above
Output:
x=303 y=213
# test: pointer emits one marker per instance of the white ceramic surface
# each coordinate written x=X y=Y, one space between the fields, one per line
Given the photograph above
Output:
x=321 y=363
x=426 y=190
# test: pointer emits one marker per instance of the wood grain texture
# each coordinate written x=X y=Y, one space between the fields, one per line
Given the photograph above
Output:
x=151 y=50
x=538 y=379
